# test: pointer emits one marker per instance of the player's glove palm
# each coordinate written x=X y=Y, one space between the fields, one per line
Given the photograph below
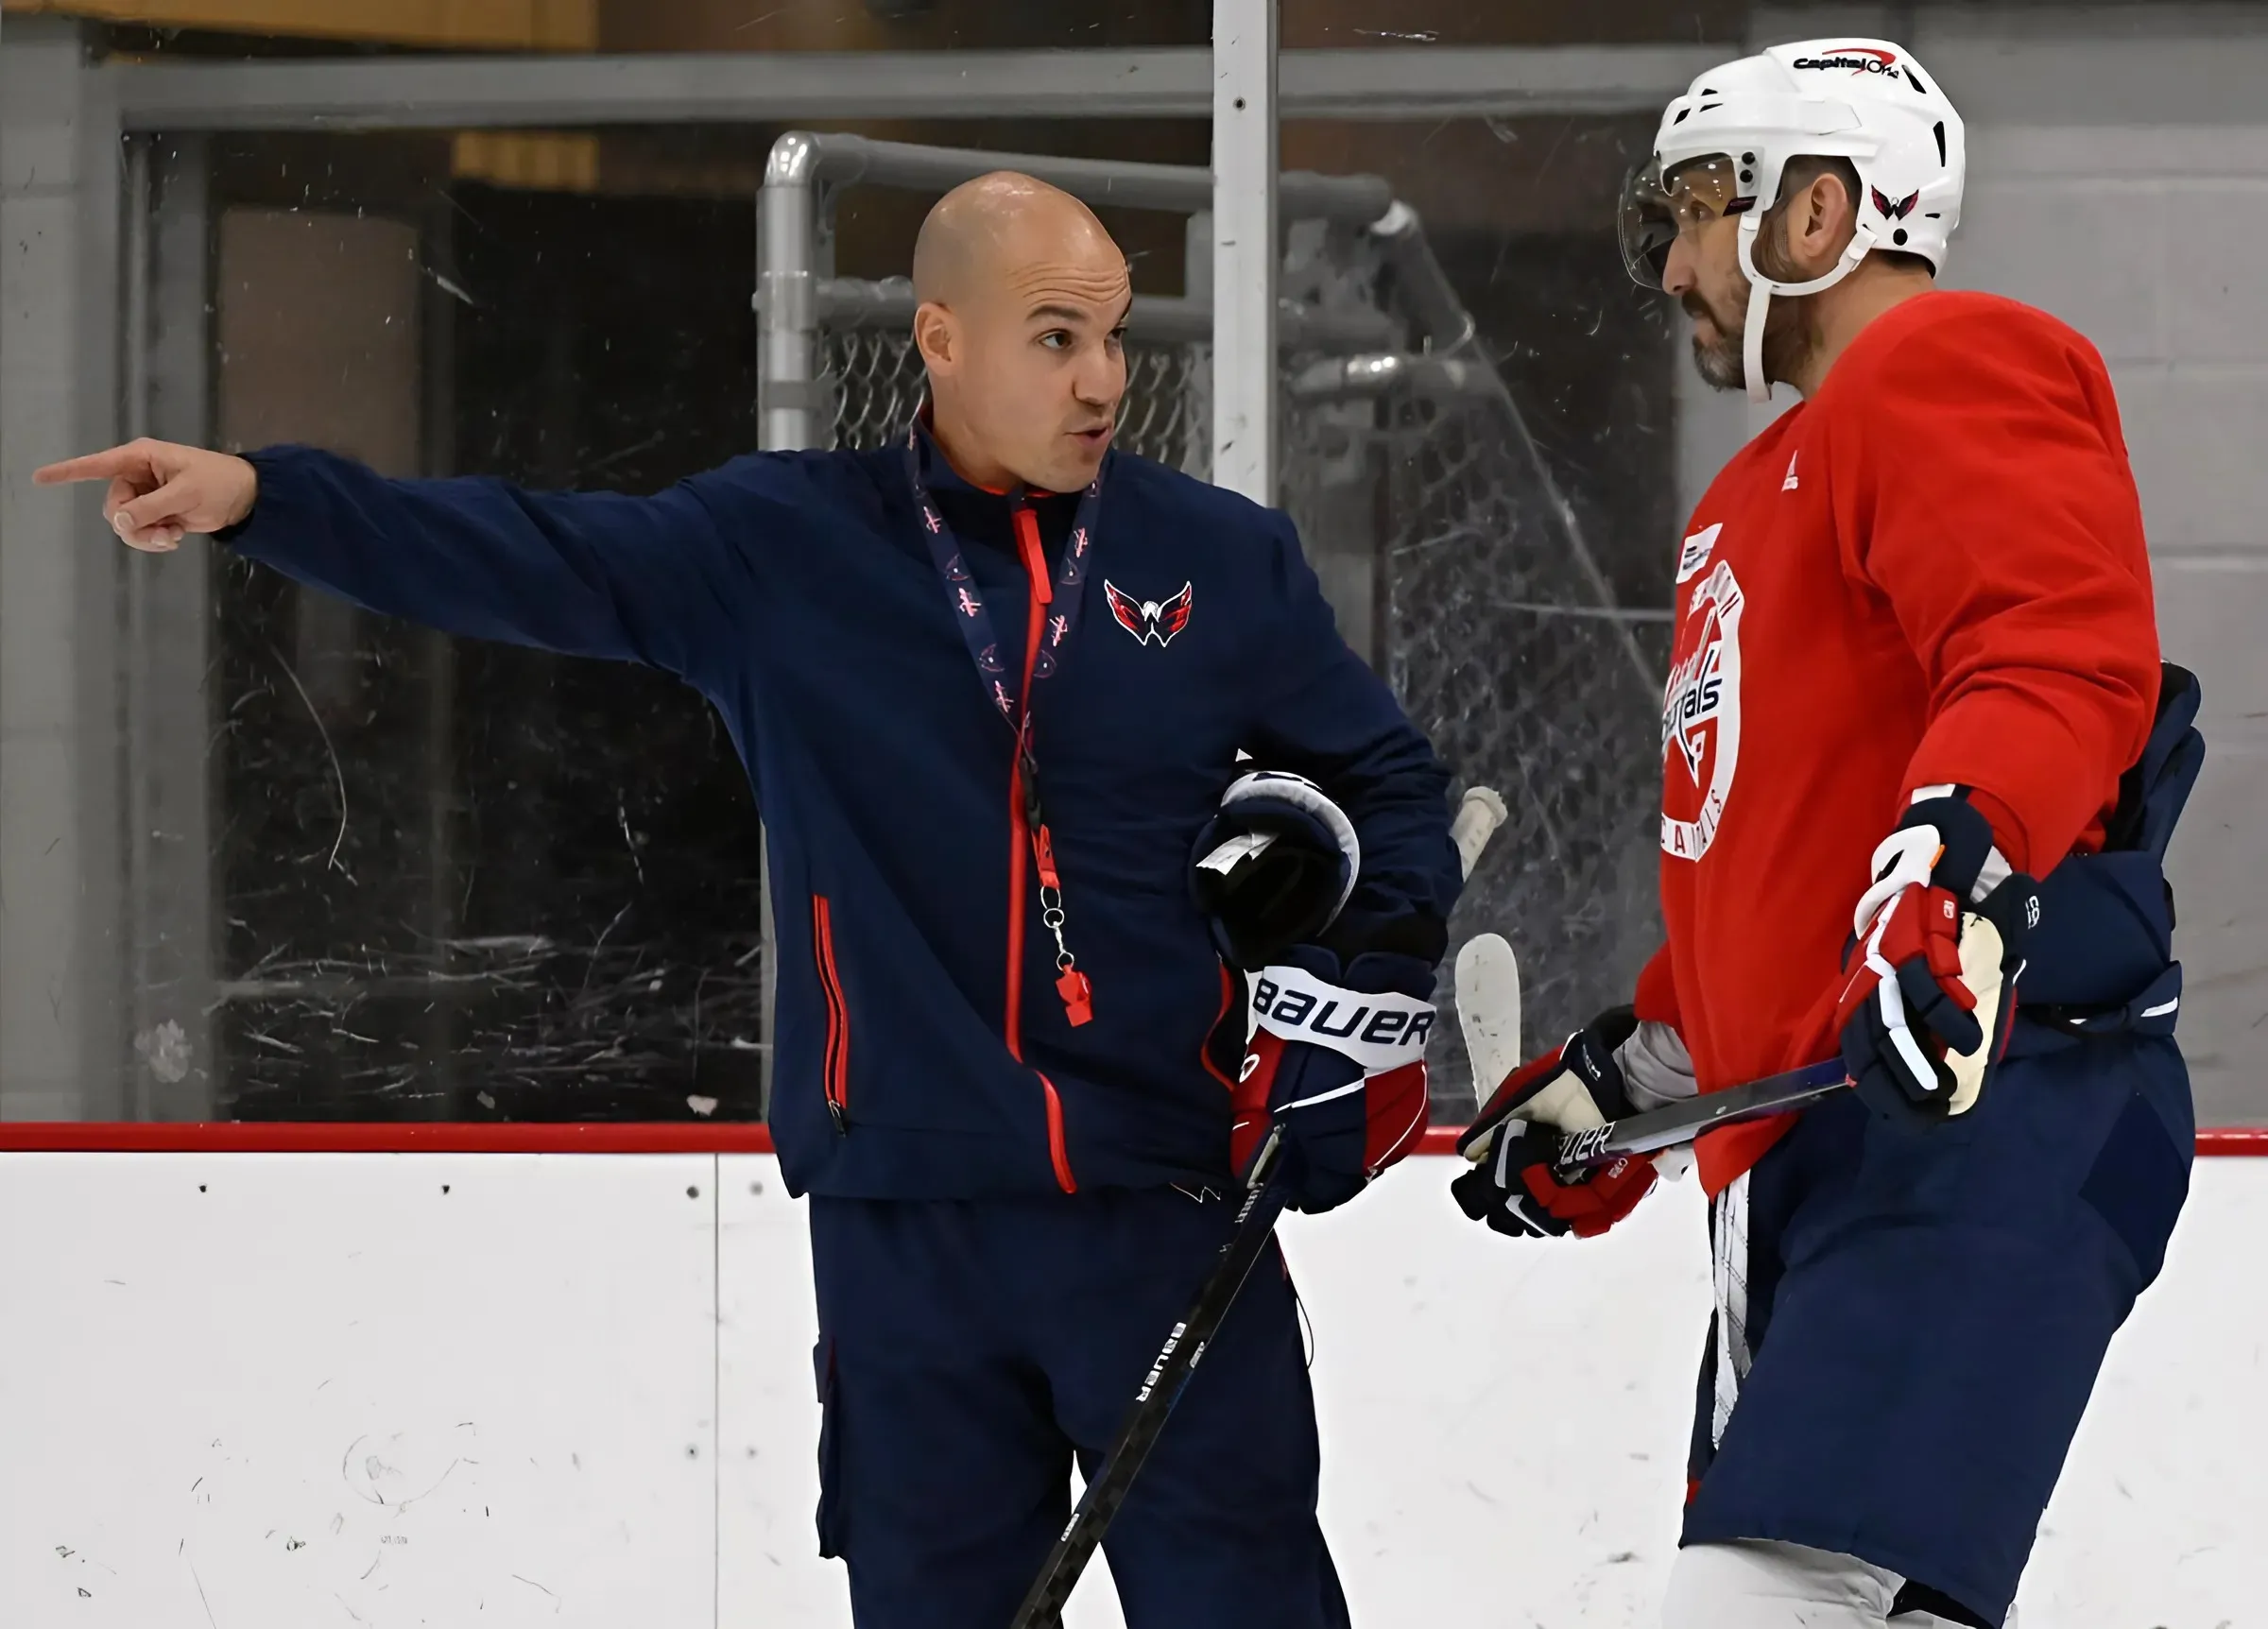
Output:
x=1930 y=973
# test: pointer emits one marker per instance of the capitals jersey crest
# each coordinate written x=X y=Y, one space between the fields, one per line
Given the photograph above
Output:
x=1150 y=621
x=1701 y=716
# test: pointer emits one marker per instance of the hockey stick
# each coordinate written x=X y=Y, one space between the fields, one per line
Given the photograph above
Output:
x=1161 y=1389
x=1249 y=1235
x=1681 y=1122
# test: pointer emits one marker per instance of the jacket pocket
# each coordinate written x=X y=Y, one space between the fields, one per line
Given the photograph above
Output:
x=837 y=1067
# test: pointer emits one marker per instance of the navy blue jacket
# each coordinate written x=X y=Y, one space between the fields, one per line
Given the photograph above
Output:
x=921 y=1051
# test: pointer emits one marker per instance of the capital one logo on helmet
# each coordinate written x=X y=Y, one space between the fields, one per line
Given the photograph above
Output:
x=1701 y=712
x=1858 y=59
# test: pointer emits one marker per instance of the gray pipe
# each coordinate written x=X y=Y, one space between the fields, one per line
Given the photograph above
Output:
x=787 y=296
x=856 y=302
x=801 y=157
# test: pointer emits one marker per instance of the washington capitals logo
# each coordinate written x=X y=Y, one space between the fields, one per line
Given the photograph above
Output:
x=1002 y=699
x=931 y=519
x=1148 y=620
x=1694 y=696
x=1058 y=627
x=969 y=604
x=1898 y=211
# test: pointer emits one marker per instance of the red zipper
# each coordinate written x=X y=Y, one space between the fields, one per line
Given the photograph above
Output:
x=1021 y=836
x=1055 y=1151
x=838 y=1015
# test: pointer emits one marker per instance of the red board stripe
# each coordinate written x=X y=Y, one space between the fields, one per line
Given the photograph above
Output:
x=431 y=1136
x=447 y=1137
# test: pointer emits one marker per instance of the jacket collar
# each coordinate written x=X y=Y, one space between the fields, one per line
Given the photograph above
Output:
x=939 y=474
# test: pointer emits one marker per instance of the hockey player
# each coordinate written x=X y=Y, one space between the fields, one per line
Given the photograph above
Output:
x=1914 y=668
x=990 y=683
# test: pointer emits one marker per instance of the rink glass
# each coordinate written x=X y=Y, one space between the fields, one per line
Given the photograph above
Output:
x=268 y=856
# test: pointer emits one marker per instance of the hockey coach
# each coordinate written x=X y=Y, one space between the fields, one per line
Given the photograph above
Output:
x=990 y=684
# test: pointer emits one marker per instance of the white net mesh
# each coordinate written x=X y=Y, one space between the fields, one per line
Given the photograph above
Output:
x=1501 y=641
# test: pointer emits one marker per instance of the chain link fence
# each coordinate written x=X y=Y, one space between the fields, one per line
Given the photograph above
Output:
x=1505 y=648
x=872 y=377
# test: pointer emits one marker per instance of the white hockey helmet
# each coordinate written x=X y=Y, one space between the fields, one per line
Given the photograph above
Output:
x=1724 y=146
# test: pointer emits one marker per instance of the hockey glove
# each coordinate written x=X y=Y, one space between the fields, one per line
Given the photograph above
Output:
x=1272 y=868
x=1337 y=1060
x=1930 y=973
x=1576 y=1085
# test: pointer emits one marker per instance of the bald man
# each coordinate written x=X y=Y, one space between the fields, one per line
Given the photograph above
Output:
x=990 y=684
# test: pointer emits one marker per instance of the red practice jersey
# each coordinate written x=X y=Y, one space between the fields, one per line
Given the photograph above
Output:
x=1933 y=572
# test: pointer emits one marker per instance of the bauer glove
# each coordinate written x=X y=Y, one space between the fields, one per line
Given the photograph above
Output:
x=1931 y=971
x=1337 y=1062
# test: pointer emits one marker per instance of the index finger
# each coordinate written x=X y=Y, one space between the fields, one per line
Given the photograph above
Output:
x=93 y=466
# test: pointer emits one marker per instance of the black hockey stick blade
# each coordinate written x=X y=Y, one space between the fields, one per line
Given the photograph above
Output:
x=1680 y=1123
x=1161 y=1389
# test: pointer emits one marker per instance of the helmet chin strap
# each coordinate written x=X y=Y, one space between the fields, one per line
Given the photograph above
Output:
x=1762 y=289
x=1752 y=334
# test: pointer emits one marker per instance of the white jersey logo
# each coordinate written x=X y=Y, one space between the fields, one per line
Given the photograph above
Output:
x=1792 y=483
x=1701 y=712
x=1695 y=553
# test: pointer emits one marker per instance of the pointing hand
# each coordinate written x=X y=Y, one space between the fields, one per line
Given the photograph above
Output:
x=160 y=491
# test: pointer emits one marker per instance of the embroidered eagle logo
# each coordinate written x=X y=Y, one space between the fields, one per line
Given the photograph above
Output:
x=1148 y=620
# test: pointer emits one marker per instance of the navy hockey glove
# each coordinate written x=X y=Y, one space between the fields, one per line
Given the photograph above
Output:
x=1272 y=868
x=1337 y=1061
x=1930 y=973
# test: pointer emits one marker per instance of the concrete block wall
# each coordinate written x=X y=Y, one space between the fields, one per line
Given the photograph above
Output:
x=58 y=891
x=2151 y=240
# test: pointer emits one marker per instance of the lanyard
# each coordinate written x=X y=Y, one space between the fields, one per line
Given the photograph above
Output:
x=1061 y=614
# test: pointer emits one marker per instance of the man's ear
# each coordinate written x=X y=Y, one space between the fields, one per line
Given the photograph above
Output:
x=936 y=335
x=1830 y=216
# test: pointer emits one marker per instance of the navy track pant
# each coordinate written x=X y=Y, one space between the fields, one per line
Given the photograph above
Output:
x=970 y=1348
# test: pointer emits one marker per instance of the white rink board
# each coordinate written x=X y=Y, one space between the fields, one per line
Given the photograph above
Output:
x=323 y=1390
x=257 y=1390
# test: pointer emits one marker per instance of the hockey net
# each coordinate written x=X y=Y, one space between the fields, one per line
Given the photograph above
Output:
x=1484 y=612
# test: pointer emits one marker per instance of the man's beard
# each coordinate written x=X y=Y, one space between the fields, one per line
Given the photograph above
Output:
x=1788 y=340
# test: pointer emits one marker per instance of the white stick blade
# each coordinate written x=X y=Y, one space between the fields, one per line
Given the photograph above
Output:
x=1488 y=1010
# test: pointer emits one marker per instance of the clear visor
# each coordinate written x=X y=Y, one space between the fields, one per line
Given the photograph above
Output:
x=1657 y=207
